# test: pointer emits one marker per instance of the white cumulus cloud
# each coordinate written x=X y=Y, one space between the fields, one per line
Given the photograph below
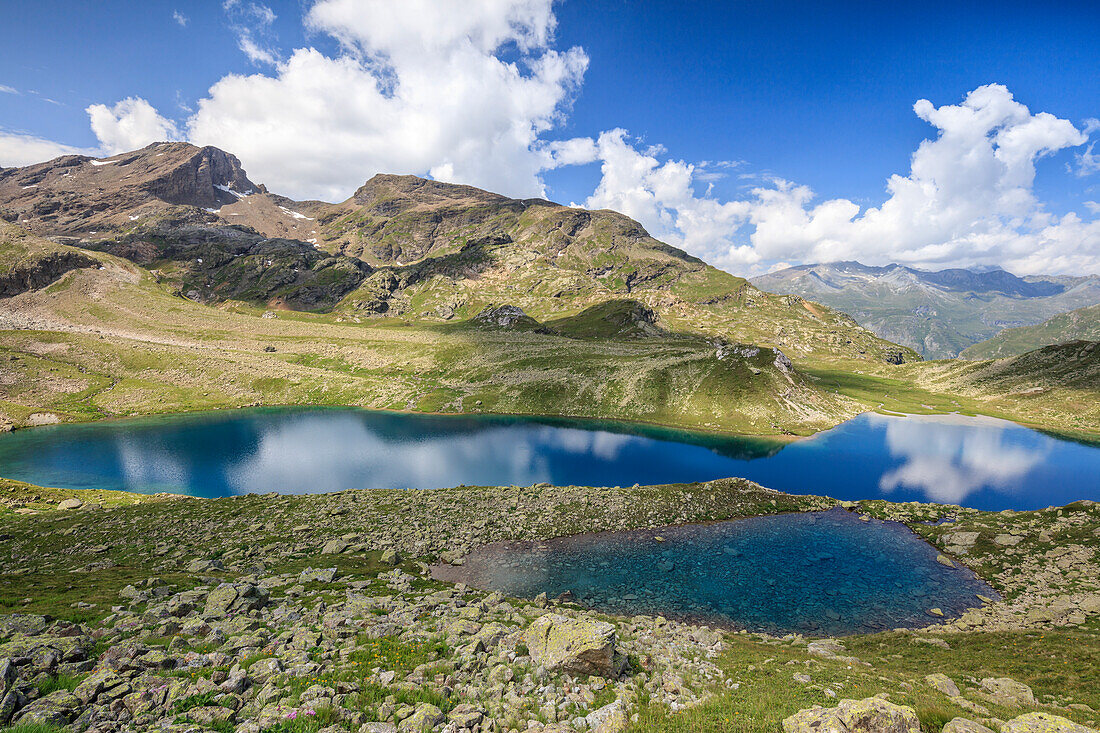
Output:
x=460 y=91
x=131 y=123
x=968 y=200
x=662 y=197
x=18 y=149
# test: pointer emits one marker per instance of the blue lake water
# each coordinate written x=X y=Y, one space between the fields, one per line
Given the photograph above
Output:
x=821 y=573
x=978 y=462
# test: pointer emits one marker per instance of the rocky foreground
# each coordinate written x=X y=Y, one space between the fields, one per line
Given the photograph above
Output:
x=318 y=613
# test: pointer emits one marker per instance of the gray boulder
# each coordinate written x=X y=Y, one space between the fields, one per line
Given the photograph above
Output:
x=1007 y=691
x=963 y=725
x=577 y=646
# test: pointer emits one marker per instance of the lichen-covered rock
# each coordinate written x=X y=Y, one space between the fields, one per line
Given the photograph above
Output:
x=228 y=598
x=57 y=708
x=577 y=646
x=871 y=715
x=22 y=623
x=97 y=683
x=426 y=717
x=1007 y=691
x=1043 y=723
x=943 y=683
x=611 y=718
x=964 y=725
x=8 y=703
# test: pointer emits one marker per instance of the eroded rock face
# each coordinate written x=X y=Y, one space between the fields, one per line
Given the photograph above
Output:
x=41 y=273
x=871 y=715
x=577 y=646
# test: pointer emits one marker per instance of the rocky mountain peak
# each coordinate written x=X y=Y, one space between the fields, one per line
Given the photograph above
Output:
x=392 y=193
x=79 y=195
x=208 y=177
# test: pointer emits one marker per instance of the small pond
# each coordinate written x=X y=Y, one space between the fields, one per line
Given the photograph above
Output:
x=821 y=573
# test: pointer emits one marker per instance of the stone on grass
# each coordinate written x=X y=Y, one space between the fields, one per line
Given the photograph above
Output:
x=334 y=547
x=872 y=715
x=70 y=504
x=318 y=575
x=943 y=683
x=1007 y=691
x=965 y=725
x=1043 y=723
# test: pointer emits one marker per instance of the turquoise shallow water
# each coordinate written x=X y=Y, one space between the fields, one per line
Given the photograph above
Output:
x=978 y=462
x=826 y=573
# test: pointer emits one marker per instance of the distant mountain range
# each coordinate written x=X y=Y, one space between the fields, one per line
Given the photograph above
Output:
x=938 y=314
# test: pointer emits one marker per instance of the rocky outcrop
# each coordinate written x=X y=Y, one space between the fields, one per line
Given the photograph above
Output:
x=619 y=318
x=42 y=272
x=225 y=263
x=872 y=715
x=210 y=178
x=505 y=316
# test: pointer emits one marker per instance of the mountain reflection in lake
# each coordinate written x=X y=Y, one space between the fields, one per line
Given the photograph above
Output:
x=825 y=573
x=979 y=462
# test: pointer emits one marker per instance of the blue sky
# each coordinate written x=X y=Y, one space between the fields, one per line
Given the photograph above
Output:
x=811 y=100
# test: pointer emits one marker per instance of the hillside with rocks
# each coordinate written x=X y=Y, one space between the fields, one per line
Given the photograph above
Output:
x=939 y=314
x=399 y=247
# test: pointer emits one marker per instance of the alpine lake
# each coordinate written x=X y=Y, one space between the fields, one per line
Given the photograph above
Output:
x=822 y=573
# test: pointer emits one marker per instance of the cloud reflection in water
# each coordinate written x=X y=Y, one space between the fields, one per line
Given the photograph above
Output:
x=952 y=457
x=291 y=454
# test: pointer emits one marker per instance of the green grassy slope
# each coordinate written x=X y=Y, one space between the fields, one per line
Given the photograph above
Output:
x=1081 y=324
x=1056 y=386
x=115 y=341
